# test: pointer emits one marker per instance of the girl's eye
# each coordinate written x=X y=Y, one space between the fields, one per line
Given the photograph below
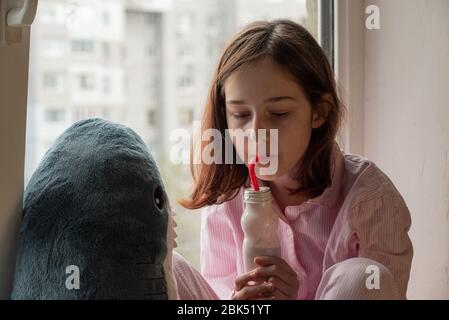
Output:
x=279 y=114
x=240 y=115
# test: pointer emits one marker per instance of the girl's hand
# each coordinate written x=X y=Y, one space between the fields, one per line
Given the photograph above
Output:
x=273 y=279
x=256 y=290
x=276 y=271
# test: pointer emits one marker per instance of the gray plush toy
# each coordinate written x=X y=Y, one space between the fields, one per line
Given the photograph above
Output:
x=95 y=208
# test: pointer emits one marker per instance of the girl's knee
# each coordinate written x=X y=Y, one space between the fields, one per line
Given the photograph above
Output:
x=357 y=278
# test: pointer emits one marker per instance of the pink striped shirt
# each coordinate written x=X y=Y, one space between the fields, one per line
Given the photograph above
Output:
x=361 y=214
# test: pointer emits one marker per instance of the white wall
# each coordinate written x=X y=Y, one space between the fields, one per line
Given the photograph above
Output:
x=406 y=126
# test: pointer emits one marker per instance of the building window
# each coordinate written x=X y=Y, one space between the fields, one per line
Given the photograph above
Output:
x=106 y=113
x=83 y=46
x=152 y=117
x=212 y=24
x=154 y=146
x=48 y=14
x=106 y=50
x=53 y=47
x=125 y=82
x=212 y=50
x=106 y=84
x=123 y=52
x=185 y=23
x=52 y=81
x=152 y=83
x=151 y=19
x=80 y=113
x=185 y=82
x=54 y=115
x=106 y=18
x=152 y=51
x=185 y=116
x=87 y=82
x=184 y=52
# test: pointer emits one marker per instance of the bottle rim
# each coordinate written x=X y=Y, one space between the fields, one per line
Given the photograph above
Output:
x=250 y=195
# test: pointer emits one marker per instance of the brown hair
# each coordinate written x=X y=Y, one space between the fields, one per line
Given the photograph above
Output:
x=292 y=47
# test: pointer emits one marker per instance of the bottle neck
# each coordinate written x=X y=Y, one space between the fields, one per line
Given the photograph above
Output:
x=261 y=196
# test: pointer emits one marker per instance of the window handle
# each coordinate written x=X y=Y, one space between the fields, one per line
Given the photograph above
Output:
x=22 y=16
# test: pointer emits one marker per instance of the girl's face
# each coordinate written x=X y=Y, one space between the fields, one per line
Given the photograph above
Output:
x=262 y=95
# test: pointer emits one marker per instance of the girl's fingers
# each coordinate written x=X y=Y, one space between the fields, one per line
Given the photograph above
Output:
x=290 y=280
x=282 y=286
x=242 y=280
x=278 y=295
x=271 y=297
x=281 y=281
x=266 y=261
x=253 y=292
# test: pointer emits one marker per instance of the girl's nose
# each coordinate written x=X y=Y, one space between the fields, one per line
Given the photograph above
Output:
x=259 y=132
x=258 y=123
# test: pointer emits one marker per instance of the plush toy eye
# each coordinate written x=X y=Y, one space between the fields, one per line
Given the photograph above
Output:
x=159 y=198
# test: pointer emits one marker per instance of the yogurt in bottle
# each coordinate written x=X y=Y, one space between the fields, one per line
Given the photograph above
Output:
x=260 y=226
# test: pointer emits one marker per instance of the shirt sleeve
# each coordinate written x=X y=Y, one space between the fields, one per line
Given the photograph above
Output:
x=218 y=250
x=381 y=226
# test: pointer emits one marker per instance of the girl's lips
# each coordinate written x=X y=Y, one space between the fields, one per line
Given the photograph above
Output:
x=264 y=160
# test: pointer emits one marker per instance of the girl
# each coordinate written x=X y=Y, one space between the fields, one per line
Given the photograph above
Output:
x=343 y=225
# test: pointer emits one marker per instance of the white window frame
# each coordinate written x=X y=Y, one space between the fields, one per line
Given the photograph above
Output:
x=13 y=122
x=14 y=63
x=349 y=70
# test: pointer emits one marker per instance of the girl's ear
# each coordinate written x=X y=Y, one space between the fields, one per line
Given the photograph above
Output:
x=321 y=111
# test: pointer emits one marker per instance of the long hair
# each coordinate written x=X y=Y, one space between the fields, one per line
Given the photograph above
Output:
x=293 y=48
